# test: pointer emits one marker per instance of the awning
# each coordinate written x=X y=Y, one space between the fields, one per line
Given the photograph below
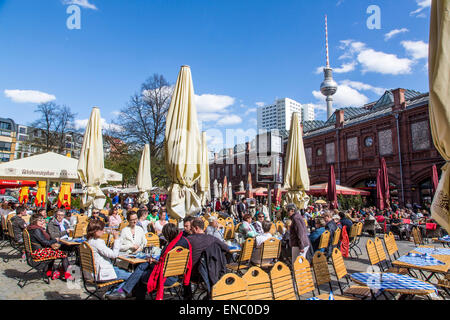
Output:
x=314 y=190
x=13 y=184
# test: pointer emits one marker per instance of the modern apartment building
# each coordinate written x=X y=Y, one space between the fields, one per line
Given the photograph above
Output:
x=7 y=139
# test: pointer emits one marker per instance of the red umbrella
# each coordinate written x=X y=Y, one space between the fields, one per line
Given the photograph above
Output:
x=224 y=190
x=385 y=183
x=380 y=197
x=331 y=194
x=249 y=192
x=434 y=177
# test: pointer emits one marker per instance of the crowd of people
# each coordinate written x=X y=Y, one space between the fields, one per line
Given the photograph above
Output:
x=300 y=236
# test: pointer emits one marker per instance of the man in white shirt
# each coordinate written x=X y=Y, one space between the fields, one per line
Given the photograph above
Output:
x=213 y=228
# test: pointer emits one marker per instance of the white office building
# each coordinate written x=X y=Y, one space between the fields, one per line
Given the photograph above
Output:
x=277 y=116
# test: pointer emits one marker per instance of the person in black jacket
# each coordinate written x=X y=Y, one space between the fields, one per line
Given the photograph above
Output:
x=19 y=224
x=43 y=246
x=332 y=227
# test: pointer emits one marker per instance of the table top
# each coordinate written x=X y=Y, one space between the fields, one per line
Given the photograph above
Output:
x=132 y=261
x=69 y=243
x=393 y=282
x=436 y=269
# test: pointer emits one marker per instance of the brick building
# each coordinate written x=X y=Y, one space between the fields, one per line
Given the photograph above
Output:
x=395 y=127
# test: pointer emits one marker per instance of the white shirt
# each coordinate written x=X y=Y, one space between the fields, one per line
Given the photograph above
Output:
x=259 y=240
x=128 y=240
x=159 y=226
x=144 y=225
x=103 y=258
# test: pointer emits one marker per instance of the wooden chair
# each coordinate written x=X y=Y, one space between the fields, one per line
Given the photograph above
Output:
x=304 y=280
x=229 y=222
x=152 y=240
x=354 y=238
x=280 y=227
x=40 y=265
x=174 y=221
x=230 y=287
x=336 y=237
x=341 y=272
x=383 y=261
x=281 y=280
x=391 y=246
x=206 y=223
x=81 y=218
x=15 y=246
x=244 y=258
x=270 y=250
x=444 y=286
x=221 y=221
x=105 y=237
x=324 y=240
x=175 y=265
x=417 y=236
x=80 y=230
x=321 y=272
x=273 y=229
x=236 y=228
x=228 y=232
x=88 y=273
x=374 y=259
x=259 y=285
x=123 y=224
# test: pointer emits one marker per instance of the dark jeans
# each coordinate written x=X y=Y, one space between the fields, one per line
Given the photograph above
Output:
x=137 y=282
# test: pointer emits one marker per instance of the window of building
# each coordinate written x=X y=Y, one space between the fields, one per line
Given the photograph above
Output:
x=23 y=130
x=5 y=146
x=5 y=125
x=352 y=148
x=420 y=136
x=385 y=142
x=331 y=156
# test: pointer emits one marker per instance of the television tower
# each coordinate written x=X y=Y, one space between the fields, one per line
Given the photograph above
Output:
x=328 y=86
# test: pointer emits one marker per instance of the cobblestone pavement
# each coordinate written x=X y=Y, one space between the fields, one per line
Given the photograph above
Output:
x=36 y=289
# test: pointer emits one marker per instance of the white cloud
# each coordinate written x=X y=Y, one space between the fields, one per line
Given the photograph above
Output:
x=213 y=103
x=345 y=96
x=363 y=86
x=346 y=67
x=82 y=3
x=260 y=104
x=423 y=4
x=394 y=32
x=29 y=96
x=384 y=63
x=251 y=110
x=229 y=120
x=82 y=123
x=208 y=116
x=416 y=49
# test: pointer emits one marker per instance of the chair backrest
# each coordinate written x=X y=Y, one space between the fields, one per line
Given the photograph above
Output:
x=338 y=264
x=26 y=218
x=152 y=239
x=270 y=249
x=320 y=266
x=105 y=212
x=273 y=229
x=221 y=221
x=174 y=221
x=236 y=228
x=258 y=283
x=337 y=236
x=360 y=227
x=372 y=252
x=229 y=232
x=123 y=224
x=380 y=250
x=176 y=262
x=27 y=242
x=394 y=243
x=229 y=221
x=324 y=240
x=87 y=262
x=280 y=226
x=105 y=237
x=10 y=229
x=303 y=276
x=82 y=218
x=230 y=287
x=353 y=232
x=390 y=247
x=206 y=223
x=281 y=280
x=247 y=250
x=416 y=236
x=80 y=229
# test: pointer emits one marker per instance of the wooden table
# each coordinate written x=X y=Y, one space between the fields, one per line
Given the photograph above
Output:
x=444 y=243
x=433 y=270
x=133 y=262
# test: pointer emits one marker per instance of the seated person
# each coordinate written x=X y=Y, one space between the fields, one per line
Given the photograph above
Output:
x=104 y=256
x=114 y=219
x=18 y=224
x=259 y=240
x=158 y=225
x=246 y=228
x=132 y=237
x=314 y=236
x=214 y=227
x=187 y=223
x=142 y=219
x=59 y=227
x=398 y=228
x=345 y=221
x=137 y=283
x=258 y=223
x=43 y=246
x=95 y=215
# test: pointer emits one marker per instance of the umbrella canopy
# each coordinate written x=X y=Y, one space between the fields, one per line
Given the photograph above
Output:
x=385 y=183
x=322 y=190
x=23 y=196
x=91 y=168
x=144 y=176
x=249 y=193
x=241 y=186
x=182 y=148
x=13 y=184
x=203 y=184
x=230 y=191
x=41 y=196
x=216 y=189
x=332 y=194
x=380 y=193
x=64 y=197
x=320 y=202
x=47 y=166
x=434 y=177
x=439 y=71
x=220 y=192
x=225 y=190
x=296 y=178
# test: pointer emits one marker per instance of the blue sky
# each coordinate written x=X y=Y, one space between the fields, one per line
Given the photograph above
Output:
x=242 y=53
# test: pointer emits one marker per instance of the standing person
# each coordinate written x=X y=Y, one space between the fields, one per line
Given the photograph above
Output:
x=233 y=211
x=299 y=239
x=265 y=210
x=115 y=200
x=133 y=239
x=59 y=227
x=242 y=208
